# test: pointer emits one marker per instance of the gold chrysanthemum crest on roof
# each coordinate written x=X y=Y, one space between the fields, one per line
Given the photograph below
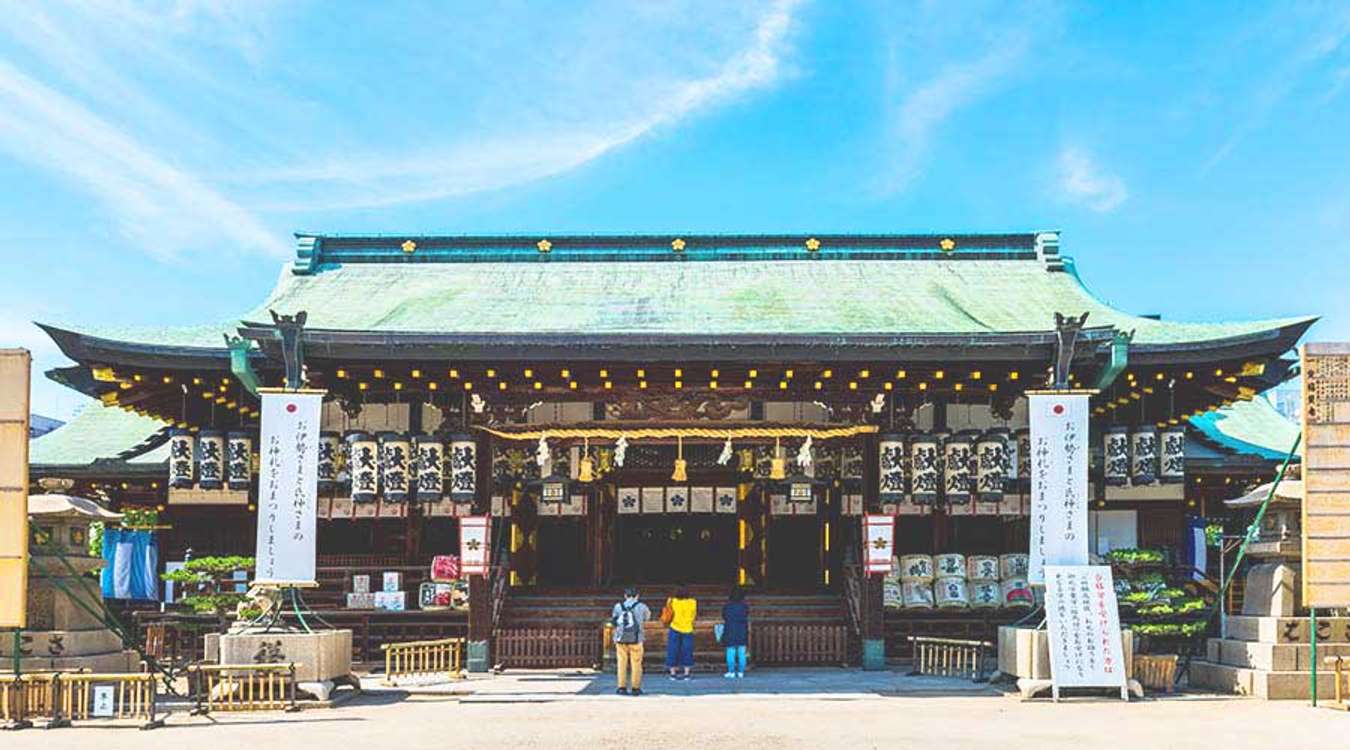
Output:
x=677 y=245
x=409 y=246
x=947 y=244
x=813 y=244
x=544 y=246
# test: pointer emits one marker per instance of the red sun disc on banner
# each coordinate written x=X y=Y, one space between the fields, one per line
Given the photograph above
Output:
x=1059 y=408
x=291 y=408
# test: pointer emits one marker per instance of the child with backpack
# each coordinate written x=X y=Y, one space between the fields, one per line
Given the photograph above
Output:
x=628 y=618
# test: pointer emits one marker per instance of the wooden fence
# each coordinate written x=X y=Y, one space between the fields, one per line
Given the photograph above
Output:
x=62 y=698
x=242 y=687
x=949 y=657
x=781 y=645
x=424 y=660
x=548 y=647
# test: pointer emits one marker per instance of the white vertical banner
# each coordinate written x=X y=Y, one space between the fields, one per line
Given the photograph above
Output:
x=1083 y=623
x=879 y=533
x=288 y=483
x=473 y=546
x=1059 y=480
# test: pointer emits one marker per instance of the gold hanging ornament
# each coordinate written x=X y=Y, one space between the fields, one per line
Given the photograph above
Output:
x=586 y=469
x=778 y=466
x=680 y=474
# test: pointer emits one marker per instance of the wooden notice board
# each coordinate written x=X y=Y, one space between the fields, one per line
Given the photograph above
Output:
x=14 y=373
x=1326 y=475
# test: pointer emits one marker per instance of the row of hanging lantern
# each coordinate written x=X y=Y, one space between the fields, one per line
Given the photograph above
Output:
x=211 y=459
x=961 y=467
x=1143 y=455
x=399 y=467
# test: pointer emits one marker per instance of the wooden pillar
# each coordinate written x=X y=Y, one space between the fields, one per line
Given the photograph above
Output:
x=480 y=624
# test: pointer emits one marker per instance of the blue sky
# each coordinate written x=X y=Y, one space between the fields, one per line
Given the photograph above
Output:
x=154 y=158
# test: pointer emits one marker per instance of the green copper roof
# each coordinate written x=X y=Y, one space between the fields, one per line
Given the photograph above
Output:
x=739 y=284
x=98 y=433
x=1249 y=427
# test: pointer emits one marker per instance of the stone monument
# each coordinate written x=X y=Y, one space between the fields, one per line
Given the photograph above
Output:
x=65 y=630
x=1266 y=651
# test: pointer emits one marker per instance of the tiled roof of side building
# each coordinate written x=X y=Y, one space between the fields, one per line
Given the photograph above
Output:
x=100 y=434
x=1251 y=428
x=693 y=284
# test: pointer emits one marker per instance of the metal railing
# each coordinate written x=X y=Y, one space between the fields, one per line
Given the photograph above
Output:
x=423 y=660
x=65 y=697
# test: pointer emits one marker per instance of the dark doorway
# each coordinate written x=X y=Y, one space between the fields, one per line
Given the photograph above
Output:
x=562 y=551
x=795 y=553
x=670 y=549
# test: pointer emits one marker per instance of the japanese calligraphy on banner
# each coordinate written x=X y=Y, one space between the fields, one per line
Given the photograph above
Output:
x=1084 y=628
x=473 y=546
x=1059 y=480
x=879 y=531
x=288 y=483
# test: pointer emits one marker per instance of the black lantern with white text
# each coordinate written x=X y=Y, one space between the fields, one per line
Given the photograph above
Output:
x=364 y=466
x=182 y=458
x=211 y=459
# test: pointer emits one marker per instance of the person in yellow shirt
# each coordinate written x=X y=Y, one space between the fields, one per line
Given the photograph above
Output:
x=679 y=614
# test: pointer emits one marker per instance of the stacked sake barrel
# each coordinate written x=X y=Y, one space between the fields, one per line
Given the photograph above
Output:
x=955 y=581
x=1014 y=590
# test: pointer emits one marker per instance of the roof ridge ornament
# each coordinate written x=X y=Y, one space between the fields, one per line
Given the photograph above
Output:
x=409 y=247
x=947 y=244
x=812 y=245
x=545 y=247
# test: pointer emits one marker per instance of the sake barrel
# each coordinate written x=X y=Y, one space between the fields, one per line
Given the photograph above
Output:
x=916 y=568
x=892 y=596
x=917 y=595
x=984 y=594
x=1016 y=592
x=950 y=592
x=982 y=568
x=948 y=565
x=1014 y=565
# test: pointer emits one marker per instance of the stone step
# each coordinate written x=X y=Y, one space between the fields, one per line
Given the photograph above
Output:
x=1287 y=629
x=1226 y=678
x=1271 y=657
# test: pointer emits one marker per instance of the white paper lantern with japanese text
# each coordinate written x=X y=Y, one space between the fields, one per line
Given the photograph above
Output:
x=239 y=460
x=1116 y=456
x=364 y=466
x=463 y=476
x=430 y=468
x=1172 y=456
x=395 y=449
x=1023 y=460
x=957 y=456
x=182 y=459
x=924 y=477
x=991 y=455
x=330 y=452
x=1144 y=455
x=211 y=459
x=891 y=468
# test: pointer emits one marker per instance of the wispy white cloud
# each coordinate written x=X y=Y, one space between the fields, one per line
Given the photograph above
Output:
x=1080 y=180
x=196 y=119
x=929 y=78
x=160 y=207
x=491 y=160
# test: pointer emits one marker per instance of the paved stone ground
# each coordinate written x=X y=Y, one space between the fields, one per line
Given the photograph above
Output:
x=777 y=710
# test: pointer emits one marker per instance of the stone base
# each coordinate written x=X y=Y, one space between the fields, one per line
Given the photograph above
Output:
x=1287 y=629
x=1025 y=652
x=116 y=662
x=58 y=643
x=321 y=656
x=1270 y=657
x=1271 y=589
x=1289 y=685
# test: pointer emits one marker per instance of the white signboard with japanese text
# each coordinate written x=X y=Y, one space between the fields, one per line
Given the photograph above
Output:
x=473 y=546
x=1084 y=628
x=1059 y=481
x=288 y=482
x=879 y=531
x=103 y=706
